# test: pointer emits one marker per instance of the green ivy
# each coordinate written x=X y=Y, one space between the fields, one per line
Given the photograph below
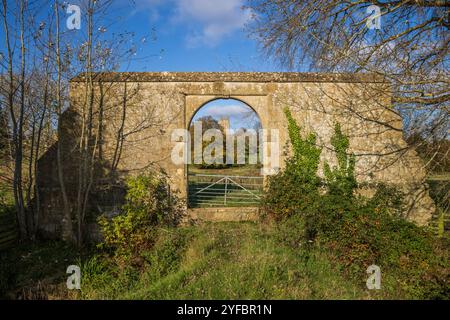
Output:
x=341 y=179
x=306 y=155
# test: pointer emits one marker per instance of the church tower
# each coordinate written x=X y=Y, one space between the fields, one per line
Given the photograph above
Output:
x=224 y=122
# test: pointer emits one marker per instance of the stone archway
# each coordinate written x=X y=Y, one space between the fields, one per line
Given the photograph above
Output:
x=227 y=183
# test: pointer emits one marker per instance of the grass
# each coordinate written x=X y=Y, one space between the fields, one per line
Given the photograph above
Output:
x=35 y=270
x=209 y=261
x=227 y=261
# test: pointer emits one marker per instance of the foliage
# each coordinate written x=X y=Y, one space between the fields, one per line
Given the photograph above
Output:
x=366 y=233
x=7 y=209
x=234 y=260
x=6 y=199
x=439 y=188
x=149 y=204
x=207 y=123
x=358 y=230
x=291 y=231
x=305 y=159
x=341 y=179
x=224 y=261
x=295 y=189
x=388 y=199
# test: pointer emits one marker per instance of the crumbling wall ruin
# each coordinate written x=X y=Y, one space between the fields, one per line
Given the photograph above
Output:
x=137 y=113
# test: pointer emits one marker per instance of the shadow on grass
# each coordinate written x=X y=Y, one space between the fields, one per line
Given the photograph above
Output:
x=38 y=270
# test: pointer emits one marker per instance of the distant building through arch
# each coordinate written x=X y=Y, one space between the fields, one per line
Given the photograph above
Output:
x=225 y=123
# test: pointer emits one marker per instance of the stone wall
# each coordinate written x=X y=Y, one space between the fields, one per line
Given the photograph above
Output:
x=137 y=112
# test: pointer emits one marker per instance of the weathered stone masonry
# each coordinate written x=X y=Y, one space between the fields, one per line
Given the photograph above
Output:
x=138 y=111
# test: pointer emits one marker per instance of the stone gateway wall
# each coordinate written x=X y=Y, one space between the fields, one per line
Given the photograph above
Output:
x=135 y=114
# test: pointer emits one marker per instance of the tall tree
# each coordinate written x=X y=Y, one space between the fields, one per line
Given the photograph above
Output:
x=39 y=58
x=405 y=41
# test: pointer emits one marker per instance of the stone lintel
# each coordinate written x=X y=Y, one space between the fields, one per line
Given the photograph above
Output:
x=261 y=77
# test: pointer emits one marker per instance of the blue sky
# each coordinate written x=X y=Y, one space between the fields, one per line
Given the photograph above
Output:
x=171 y=35
x=197 y=35
x=191 y=35
x=239 y=113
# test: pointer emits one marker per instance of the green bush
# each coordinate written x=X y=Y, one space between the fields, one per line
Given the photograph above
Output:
x=363 y=234
x=389 y=200
x=291 y=231
x=359 y=231
x=148 y=205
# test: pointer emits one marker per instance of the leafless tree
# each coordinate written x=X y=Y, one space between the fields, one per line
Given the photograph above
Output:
x=409 y=49
x=15 y=102
x=39 y=60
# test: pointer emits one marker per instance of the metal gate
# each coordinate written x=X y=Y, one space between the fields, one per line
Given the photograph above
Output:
x=213 y=190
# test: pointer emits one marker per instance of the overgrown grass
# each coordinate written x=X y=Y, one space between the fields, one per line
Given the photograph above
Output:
x=222 y=261
x=210 y=261
x=36 y=270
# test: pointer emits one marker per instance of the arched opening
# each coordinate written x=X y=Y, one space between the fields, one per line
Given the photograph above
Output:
x=225 y=166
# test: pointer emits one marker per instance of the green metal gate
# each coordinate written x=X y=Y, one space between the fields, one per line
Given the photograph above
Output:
x=213 y=190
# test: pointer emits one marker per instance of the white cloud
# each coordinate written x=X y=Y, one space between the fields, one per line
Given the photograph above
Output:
x=216 y=19
x=207 y=21
x=227 y=110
